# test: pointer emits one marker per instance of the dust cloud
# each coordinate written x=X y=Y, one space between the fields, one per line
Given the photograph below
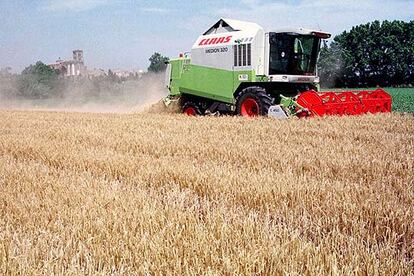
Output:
x=85 y=95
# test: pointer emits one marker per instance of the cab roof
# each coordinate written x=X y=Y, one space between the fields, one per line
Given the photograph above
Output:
x=303 y=31
x=226 y=25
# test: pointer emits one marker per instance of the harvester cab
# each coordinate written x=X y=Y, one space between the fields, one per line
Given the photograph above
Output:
x=292 y=55
x=235 y=67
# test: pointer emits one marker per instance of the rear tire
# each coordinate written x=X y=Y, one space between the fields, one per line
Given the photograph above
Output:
x=252 y=102
x=192 y=109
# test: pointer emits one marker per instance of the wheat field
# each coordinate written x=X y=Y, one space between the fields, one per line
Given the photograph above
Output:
x=169 y=194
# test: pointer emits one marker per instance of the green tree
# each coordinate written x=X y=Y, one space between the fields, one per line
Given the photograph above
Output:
x=157 y=63
x=376 y=53
x=8 y=83
x=38 y=81
x=331 y=66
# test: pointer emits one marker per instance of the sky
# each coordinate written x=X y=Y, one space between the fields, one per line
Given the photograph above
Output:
x=122 y=34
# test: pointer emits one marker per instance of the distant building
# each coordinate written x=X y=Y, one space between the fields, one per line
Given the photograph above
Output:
x=96 y=73
x=127 y=73
x=121 y=73
x=74 y=67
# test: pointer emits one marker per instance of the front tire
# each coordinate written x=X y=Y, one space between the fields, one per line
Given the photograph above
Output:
x=252 y=102
x=192 y=109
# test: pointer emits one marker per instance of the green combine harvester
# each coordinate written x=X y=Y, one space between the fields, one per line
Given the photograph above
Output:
x=236 y=67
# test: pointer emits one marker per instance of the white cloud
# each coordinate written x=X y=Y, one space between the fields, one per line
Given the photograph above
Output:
x=73 y=5
x=332 y=16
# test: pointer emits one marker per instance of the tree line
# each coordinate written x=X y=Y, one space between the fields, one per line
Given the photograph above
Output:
x=39 y=81
x=372 y=54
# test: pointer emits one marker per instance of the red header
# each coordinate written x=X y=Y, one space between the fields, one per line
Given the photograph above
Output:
x=215 y=40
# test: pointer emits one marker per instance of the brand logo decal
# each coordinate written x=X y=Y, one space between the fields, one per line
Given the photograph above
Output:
x=215 y=40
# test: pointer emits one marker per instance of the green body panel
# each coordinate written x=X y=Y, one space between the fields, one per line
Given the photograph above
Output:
x=176 y=70
x=206 y=82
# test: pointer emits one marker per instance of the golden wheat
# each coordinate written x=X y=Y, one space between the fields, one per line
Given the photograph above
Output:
x=170 y=194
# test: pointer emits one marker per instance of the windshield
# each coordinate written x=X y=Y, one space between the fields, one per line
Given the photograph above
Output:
x=293 y=54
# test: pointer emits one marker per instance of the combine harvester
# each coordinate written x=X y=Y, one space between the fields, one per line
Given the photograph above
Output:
x=236 y=67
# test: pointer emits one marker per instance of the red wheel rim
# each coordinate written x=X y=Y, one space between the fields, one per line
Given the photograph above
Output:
x=249 y=108
x=190 y=111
